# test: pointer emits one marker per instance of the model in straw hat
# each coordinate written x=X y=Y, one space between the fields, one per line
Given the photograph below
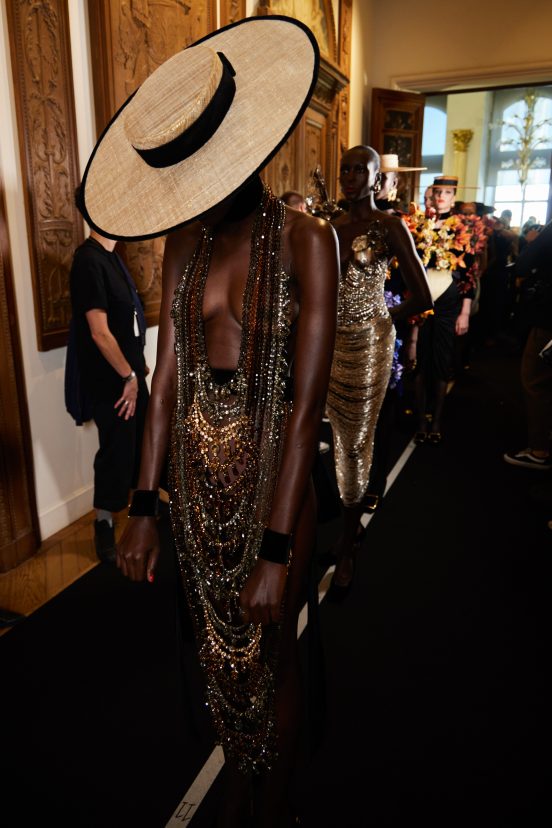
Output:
x=203 y=123
x=443 y=194
x=364 y=347
x=390 y=169
x=236 y=284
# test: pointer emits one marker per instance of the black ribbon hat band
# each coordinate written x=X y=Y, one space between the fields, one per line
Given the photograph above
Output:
x=203 y=128
x=445 y=181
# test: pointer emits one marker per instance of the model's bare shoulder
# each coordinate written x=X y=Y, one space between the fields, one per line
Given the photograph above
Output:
x=306 y=229
x=395 y=225
x=179 y=247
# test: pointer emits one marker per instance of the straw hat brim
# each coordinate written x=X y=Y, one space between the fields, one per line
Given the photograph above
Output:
x=276 y=60
x=401 y=169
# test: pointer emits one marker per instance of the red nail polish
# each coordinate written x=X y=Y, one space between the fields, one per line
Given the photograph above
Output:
x=150 y=577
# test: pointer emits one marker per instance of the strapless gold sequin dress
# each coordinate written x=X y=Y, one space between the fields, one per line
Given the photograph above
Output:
x=362 y=361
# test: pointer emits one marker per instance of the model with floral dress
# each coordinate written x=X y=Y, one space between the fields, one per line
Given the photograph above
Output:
x=449 y=246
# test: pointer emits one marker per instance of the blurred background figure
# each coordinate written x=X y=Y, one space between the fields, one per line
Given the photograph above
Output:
x=528 y=233
x=389 y=196
x=428 y=198
x=497 y=296
x=532 y=220
x=534 y=266
x=294 y=199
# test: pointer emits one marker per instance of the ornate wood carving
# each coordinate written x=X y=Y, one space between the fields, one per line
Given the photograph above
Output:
x=345 y=29
x=324 y=127
x=231 y=10
x=19 y=533
x=316 y=14
x=343 y=123
x=280 y=173
x=131 y=38
x=41 y=62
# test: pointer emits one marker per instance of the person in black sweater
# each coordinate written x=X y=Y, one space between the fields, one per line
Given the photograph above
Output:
x=534 y=266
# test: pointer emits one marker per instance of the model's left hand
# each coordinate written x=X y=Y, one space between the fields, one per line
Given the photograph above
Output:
x=262 y=596
x=462 y=324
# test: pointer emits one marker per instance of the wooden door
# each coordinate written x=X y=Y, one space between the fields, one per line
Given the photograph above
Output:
x=396 y=127
x=19 y=532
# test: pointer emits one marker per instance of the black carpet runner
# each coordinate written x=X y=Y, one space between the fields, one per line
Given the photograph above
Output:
x=437 y=705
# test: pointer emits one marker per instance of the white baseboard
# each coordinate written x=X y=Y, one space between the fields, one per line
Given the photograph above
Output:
x=66 y=512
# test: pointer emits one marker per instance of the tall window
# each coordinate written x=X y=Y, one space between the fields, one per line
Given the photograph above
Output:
x=518 y=144
x=434 y=139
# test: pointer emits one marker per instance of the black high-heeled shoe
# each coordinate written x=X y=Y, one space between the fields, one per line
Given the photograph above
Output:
x=338 y=592
x=370 y=503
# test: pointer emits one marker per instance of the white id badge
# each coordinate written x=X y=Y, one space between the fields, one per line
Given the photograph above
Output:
x=136 y=328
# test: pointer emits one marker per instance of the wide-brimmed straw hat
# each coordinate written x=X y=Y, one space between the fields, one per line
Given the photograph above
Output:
x=390 y=163
x=199 y=126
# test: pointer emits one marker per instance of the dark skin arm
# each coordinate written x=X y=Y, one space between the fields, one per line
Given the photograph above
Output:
x=311 y=245
x=312 y=251
x=412 y=271
x=138 y=550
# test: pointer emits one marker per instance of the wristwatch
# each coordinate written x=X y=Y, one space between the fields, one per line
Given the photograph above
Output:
x=130 y=377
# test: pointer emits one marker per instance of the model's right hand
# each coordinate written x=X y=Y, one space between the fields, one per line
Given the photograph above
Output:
x=138 y=549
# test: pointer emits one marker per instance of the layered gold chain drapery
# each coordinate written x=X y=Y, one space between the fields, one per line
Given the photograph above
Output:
x=225 y=453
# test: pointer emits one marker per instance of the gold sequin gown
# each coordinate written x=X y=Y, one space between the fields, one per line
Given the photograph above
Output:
x=362 y=362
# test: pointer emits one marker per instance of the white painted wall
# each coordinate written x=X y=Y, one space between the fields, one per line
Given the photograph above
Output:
x=433 y=37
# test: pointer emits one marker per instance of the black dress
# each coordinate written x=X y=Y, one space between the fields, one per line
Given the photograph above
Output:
x=437 y=334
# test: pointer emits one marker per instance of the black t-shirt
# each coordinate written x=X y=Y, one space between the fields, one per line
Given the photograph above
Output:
x=97 y=281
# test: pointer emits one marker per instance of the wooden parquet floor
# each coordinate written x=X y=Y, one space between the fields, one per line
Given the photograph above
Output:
x=61 y=559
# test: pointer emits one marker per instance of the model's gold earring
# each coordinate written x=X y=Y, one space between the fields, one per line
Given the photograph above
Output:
x=376 y=186
x=392 y=195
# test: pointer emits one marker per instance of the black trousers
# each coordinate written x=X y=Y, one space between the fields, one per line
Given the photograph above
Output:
x=117 y=461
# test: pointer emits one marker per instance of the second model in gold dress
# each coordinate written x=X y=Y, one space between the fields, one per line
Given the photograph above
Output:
x=362 y=361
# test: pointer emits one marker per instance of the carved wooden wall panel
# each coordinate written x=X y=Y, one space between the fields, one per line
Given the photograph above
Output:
x=130 y=39
x=343 y=123
x=316 y=143
x=316 y=14
x=231 y=10
x=345 y=30
x=280 y=173
x=291 y=167
x=41 y=61
x=19 y=533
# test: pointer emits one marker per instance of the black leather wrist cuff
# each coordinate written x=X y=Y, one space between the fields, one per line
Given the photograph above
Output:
x=275 y=547
x=144 y=503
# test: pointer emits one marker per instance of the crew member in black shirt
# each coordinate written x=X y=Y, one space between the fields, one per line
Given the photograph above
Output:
x=110 y=335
